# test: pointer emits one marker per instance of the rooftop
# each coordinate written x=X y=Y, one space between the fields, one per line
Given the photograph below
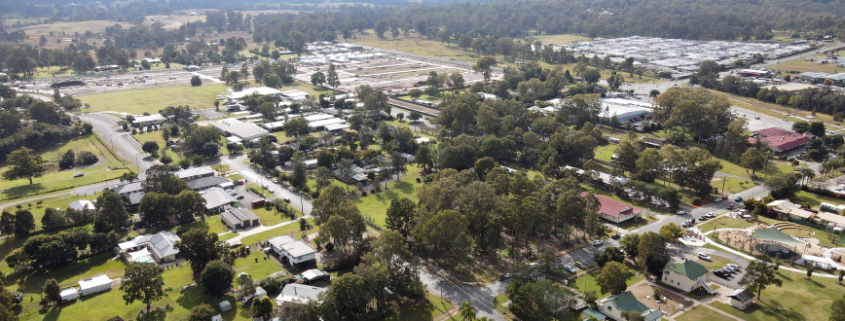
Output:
x=150 y=118
x=240 y=129
x=238 y=215
x=779 y=138
x=300 y=293
x=94 y=282
x=216 y=196
x=194 y=172
x=688 y=268
x=161 y=244
x=131 y=187
x=613 y=207
x=204 y=182
x=295 y=248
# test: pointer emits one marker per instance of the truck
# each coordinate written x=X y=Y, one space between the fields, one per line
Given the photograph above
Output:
x=258 y=203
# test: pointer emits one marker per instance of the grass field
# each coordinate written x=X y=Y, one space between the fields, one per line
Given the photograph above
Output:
x=797 y=300
x=715 y=262
x=56 y=180
x=429 y=310
x=254 y=188
x=152 y=100
x=415 y=45
x=814 y=199
x=701 y=313
x=375 y=205
x=587 y=282
x=605 y=152
x=799 y=65
x=636 y=223
x=558 y=39
x=157 y=137
x=727 y=222
x=731 y=184
x=270 y=217
x=292 y=229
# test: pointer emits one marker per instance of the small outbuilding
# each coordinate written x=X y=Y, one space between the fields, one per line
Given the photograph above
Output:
x=239 y=218
x=69 y=294
x=93 y=285
x=225 y=306
x=81 y=205
x=740 y=299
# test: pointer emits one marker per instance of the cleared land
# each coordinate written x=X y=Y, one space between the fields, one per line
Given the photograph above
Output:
x=558 y=39
x=800 y=65
x=152 y=100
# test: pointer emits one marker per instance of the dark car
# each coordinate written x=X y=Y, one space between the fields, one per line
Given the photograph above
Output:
x=615 y=236
x=738 y=199
x=240 y=197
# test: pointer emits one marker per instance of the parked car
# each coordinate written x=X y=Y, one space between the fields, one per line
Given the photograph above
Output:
x=579 y=265
x=717 y=200
x=738 y=199
x=615 y=236
x=598 y=242
x=506 y=276
x=682 y=212
x=240 y=197
x=275 y=181
x=685 y=224
x=233 y=193
x=704 y=256
x=731 y=206
x=80 y=174
x=570 y=269
x=287 y=200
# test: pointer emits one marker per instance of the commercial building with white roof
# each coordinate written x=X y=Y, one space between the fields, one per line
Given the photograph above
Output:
x=148 y=120
x=624 y=110
x=242 y=131
x=261 y=91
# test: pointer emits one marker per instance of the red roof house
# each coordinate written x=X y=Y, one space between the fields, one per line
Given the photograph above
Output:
x=780 y=140
x=615 y=211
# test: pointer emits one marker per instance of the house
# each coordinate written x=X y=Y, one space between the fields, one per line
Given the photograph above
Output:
x=614 y=306
x=312 y=276
x=153 y=119
x=740 y=299
x=654 y=142
x=780 y=140
x=161 y=246
x=299 y=294
x=238 y=131
x=216 y=199
x=82 y=205
x=408 y=158
x=357 y=173
x=205 y=183
x=193 y=173
x=93 y=285
x=128 y=188
x=686 y=276
x=615 y=211
x=238 y=218
x=295 y=252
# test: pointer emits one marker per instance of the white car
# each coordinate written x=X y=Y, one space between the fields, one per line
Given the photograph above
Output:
x=704 y=256
x=717 y=200
x=598 y=242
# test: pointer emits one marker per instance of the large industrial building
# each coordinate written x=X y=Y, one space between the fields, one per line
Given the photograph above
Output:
x=625 y=110
x=238 y=131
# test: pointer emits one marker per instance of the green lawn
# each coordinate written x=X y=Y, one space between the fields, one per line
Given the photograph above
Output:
x=211 y=224
x=701 y=313
x=60 y=202
x=270 y=217
x=587 y=282
x=152 y=100
x=498 y=302
x=56 y=180
x=292 y=229
x=605 y=152
x=431 y=309
x=256 y=265
x=727 y=222
x=731 y=184
x=157 y=137
x=636 y=223
x=715 y=262
x=254 y=188
x=558 y=39
x=814 y=199
x=798 y=299
x=375 y=205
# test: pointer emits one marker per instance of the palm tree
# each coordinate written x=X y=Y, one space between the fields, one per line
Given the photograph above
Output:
x=467 y=312
x=806 y=174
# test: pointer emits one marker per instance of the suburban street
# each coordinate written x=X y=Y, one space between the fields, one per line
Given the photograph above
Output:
x=120 y=142
x=236 y=164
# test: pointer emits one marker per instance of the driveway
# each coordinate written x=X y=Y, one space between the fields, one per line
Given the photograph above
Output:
x=692 y=252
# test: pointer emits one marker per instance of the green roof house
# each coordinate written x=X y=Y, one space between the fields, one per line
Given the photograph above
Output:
x=686 y=276
x=614 y=306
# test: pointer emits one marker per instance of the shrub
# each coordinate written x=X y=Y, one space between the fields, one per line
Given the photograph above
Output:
x=363 y=193
x=696 y=201
x=315 y=194
x=419 y=180
x=84 y=158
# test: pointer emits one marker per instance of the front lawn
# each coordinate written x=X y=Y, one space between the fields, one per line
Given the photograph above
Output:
x=292 y=228
x=587 y=282
x=375 y=206
x=701 y=313
x=638 y=222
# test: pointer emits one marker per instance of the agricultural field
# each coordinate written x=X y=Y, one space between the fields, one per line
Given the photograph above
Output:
x=415 y=44
x=800 y=65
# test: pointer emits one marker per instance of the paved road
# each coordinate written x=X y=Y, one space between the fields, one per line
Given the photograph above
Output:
x=120 y=142
x=453 y=290
x=692 y=254
x=236 y=164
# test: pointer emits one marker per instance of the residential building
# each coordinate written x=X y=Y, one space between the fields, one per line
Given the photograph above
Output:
x=740 y=299
x=358 y=175
x=780 y=140
x=81 y=205
x=686 y=276
x=294 y=252
x=614 y=306
x=238 y=218
x=205 y=183
x=786 y=209
x=299 y=294
x=193 y=173
x=160 y=247
x=217 y=199
x=615 y=211
x=153 y=119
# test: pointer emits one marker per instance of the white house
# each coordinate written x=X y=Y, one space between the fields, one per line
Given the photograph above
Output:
x=160 y=246
x=153 y=119
x=299 y=293
x=686 y=275
x=294 y=251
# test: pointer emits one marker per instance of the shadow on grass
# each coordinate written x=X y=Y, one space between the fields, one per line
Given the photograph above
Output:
x=34 y=280
x=21 y=191
x=195 y=296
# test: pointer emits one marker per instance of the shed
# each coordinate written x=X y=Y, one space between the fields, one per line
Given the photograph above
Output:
x=740 y=299
x=94 y=285
x=217 y=318
x=238 y=217
x=225 y=306
x=312 y=276
x=260 y=293
x=68 y=294
x=81 y=205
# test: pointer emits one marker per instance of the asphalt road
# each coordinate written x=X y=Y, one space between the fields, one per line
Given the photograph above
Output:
x=120 y=142
x=236 y=164
x=481 y=297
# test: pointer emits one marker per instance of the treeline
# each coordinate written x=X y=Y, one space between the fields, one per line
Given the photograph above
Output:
x=49 y=126
x=57 y=11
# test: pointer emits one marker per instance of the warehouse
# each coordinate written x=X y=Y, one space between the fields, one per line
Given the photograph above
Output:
x=321 y=125
x=230 y=128
x=623 y=110
x=261 y=91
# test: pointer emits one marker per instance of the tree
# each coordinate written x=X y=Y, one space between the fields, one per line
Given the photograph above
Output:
x=443 y=237
x=245 y=283
x=591 y=76
x=400 y=216
x=331 y=77
x=649 y=165
x=380 y=28
x=633 y=315
x=24 y=222
x=318 y=79
x=758 y=276
x=612 y=278
x=345 y=300
x=467 y=311
x=217 y=277
x=143 y=282
x=196 y=81
x=810 y=270
x=151 y=147
x=23 y=164
x=627 y=154
x=323 y=177
x=7 y=223
x=52 y=291
x=199 y=248
x=111 y=212
x=671 y=231
x=296 y=127
x=202 y=312
x=484 y=65
x=782 y=185
x=52 y=220
x=753 y=159
x=653 y=254
x=264 y=307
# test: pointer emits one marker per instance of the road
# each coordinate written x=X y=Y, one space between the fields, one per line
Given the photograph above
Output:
x=457 y=292
x=120 y=142
x=236 y=164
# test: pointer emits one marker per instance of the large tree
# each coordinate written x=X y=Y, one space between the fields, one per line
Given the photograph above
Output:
x=331 y=77
x=485 y=65
x=758 y=276
x=199 y=248
x=443 y=237
x=23 y=164
x=653 y=254
x=52 y=291
x=346 y=299
x=202 y=312
x=401 y=216
x=161 y=180
x=837 y=309
x=150 y=147
x=612 y=278
x=24 y=222
x=142 y=282
x=217 y=277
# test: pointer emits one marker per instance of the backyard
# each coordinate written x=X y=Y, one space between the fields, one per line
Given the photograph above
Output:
x=587 y=281
x=374 y=206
